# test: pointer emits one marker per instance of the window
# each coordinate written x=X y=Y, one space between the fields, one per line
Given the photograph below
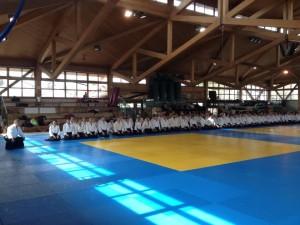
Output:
x=162 y=1
x=288 y=92
x=144 y=81
x=177 y=3
x=252 y=92
x=75 y=85
x=23 y=88
x=3 y=72
x=119 y=80
x=224 y=93
x=15 y=72
x=204 y=9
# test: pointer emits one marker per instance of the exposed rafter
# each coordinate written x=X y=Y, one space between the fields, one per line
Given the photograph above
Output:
x=57 y=26
x=178 y=51
x=289 y=24
x=109 y=39
x=36 y=15
x=151 y=53
x=97 y=22
x=244 y=4
x=134 y=48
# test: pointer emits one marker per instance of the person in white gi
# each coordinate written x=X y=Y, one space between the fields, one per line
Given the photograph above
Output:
x=54 y=131
x=15 y=136
x=68 y=130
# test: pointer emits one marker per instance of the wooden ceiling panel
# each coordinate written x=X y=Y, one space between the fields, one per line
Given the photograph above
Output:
x=28 y=40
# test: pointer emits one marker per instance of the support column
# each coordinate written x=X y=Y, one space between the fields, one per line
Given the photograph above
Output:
x=241 y=94
x=298 y=96
x=109 y=82
x=269 y=95
x=37 y=78
x=205 y=95
x=269 y=91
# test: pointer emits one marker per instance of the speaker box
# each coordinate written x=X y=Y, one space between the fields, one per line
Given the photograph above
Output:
x=212 y=95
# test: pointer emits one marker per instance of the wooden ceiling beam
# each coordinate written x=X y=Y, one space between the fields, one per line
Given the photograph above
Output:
x=120 y=75
x=244 y=4
x=110 y=39
x=265 y=10
x=169 y=37
x=258 y=51
x=53 y=52
x=182 y=6
x=147 y=7
x=78 y=18
x=178 y=51
x=205 y=20
x=36 y=15
x=10 y=6
x=232 y=48
x=64 y=40
x=57 y=26
x=241 y=59
x=133 y=49
x=219 y=53
x=96 y=23
x=134 y=65
x=153 y=54
x=289 y=24
x=271 y=70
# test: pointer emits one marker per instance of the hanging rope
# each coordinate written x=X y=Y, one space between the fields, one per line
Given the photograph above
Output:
x=12 y=21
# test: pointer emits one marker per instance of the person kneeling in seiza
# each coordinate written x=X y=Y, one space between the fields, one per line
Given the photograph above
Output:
x=15 y=137
x=91 y=128
x=102 y=126
x=54 y=132
x=68 y=130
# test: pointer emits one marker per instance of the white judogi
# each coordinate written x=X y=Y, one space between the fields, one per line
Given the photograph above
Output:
x=102 y=125
x=75 y=128
x=164 y=123
x=13 y=132
x=91 y=127
x=54 y=129
x=193 y=121
x=154 y=123
x=128 y=124
x=118 y=126
x=68 y=128
x=138 y=125
x=82 y=127
x=183 y=122
x=146 y=124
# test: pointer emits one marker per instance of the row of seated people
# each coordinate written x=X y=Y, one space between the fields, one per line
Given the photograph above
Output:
x=91 y=128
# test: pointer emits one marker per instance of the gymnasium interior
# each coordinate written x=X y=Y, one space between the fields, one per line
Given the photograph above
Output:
x=217 y=82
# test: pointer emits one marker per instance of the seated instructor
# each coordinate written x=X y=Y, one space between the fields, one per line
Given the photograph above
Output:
x=15 y=137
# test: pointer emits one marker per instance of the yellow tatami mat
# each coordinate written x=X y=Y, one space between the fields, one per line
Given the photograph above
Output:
x=192 y=151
